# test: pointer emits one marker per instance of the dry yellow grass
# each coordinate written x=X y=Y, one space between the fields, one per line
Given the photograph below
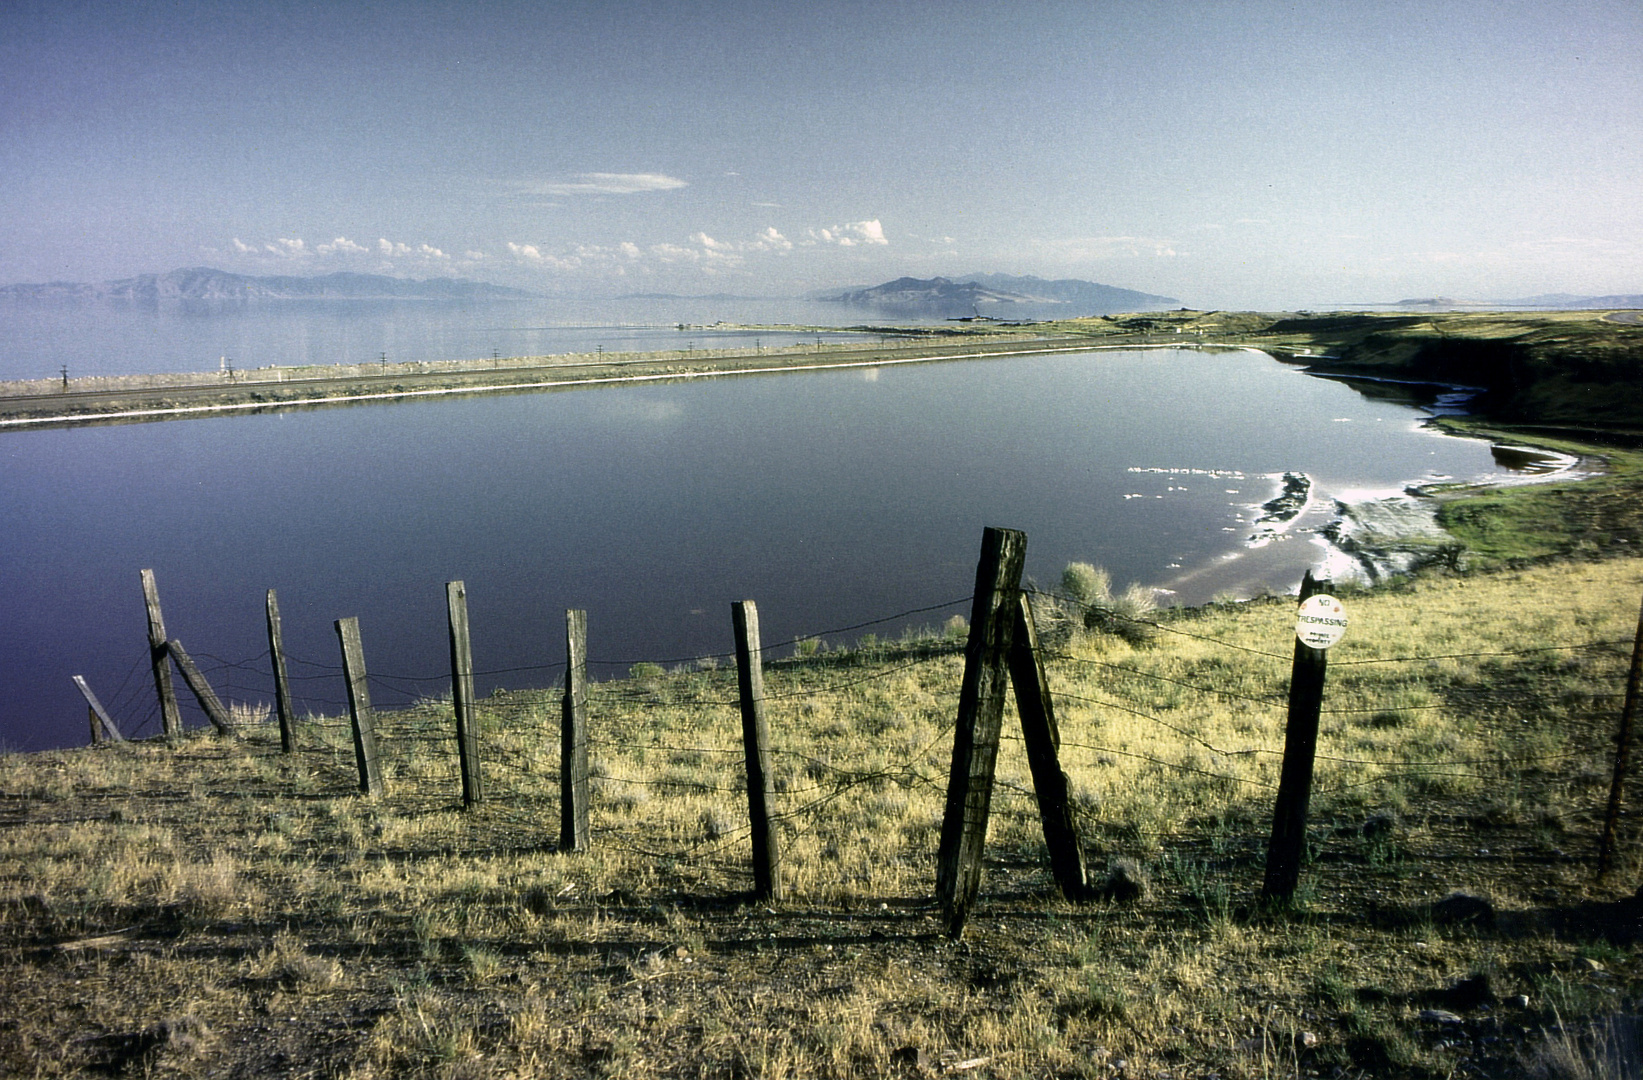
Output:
x=308 y=931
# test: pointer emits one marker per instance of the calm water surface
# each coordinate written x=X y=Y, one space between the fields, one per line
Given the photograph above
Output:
x=38 y=340
x=829 y=498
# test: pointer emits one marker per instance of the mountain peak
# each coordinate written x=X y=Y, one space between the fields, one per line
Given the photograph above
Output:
x=999 y=293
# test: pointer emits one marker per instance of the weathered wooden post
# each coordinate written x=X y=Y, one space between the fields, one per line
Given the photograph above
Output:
x=359 y=706
x=1287 y=848
x=980 y=716
x=171 y=720
x=1623 y=738
x=767 y=879
x=207 y=697
x=282 y=685
x=462 y=692
x=1043 y=739
x=102 y=725
x=573 y=738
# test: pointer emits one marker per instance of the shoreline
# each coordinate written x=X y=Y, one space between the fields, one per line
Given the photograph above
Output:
x=123 y=405
x=1364 y=541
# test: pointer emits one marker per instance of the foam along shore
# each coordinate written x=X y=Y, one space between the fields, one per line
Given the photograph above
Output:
x=1377 y=535
x=1362 y=537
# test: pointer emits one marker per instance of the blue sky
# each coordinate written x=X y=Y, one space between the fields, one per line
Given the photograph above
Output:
x=1247 y=153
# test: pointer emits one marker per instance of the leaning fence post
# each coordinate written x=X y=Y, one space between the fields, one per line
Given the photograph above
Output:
x=102 y=725
x=171 y=720
x=207 y=697
x=980 y=716
x=462 y=692
x=359 y=705
x=1043 y=739
x=1623 y=738
x=767 y=881
x=573 y=737
x=282 y=686
x=1287 y=847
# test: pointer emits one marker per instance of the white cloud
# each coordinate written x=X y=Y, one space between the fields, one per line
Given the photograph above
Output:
x=673 y=253
x=771 y=240
x=340 y=246
x=474 y=256
x=600 y=183
x=431 y=252
x=850 y=235
x=388 y=249
x=712 y=246
x=294 y=249
x=244 y=248
x=532 y=255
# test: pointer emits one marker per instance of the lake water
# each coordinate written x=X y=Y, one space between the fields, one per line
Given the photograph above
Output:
x=38 y=340
x=829 y=498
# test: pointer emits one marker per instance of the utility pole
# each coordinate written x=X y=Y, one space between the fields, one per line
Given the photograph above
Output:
x=65 y=378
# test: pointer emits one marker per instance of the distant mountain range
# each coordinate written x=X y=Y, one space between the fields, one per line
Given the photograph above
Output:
x=203 y=283
x=995 y=295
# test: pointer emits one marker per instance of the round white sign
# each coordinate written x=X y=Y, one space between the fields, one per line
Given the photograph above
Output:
x=1321 y=622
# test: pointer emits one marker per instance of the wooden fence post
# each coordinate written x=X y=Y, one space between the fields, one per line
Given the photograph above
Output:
x=207 y=697
x=359 y=706
x=1043 y=739
x=767 y=881
x=1287 y=847
x=980 y=716
x=462 y=692
x=282 y=685
x=573 y=738
x=102 y=725
x=1623 y=738
x=171 y=720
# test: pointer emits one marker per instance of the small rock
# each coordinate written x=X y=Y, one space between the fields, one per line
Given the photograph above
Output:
x=1379 y=827
x=1586 y=963
x=1309 y=1039
x=1521 y=1001
x=1463 y=909
x=911 y=1059
x=1126 y=882
x=1468 y=993
x=1439 y=1016
x=139 y=1051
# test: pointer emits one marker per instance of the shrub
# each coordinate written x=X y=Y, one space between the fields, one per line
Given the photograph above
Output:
x=1088 y=601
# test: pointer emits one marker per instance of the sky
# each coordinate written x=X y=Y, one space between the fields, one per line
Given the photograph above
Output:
x=1236 y=154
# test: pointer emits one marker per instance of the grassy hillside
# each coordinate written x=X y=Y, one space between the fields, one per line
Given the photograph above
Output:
x=1573 y=369
x=218 y=909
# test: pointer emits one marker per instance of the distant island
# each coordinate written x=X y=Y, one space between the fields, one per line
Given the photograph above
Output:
x=204 y=283
x=995 y=295
x=1550 y=301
